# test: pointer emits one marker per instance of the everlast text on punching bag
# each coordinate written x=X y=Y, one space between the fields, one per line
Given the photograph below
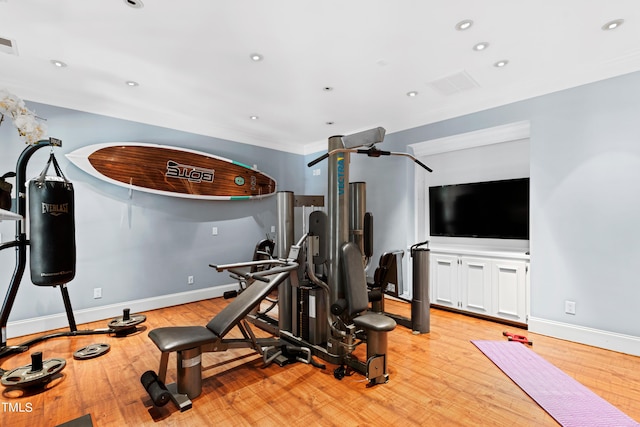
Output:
x=52 y=228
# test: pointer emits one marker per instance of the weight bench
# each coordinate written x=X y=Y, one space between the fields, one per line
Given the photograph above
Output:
x=189 y=342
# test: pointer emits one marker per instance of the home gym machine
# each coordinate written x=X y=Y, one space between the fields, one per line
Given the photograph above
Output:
x=316 y=313
x=328 y=311
x=52 y=262
x=360 y=220
x=323 y=297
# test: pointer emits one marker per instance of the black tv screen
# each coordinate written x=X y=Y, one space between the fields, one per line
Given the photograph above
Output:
x=492 y=209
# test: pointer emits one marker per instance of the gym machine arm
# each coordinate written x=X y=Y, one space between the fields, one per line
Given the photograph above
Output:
x=370 y=152
x=283 y=265
x=260 y=275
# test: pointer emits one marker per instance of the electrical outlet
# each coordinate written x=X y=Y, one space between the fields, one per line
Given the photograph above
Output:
x=190 y=280
x=214 y=231
x=273 y=228
x=570 y=307
x=97 y=293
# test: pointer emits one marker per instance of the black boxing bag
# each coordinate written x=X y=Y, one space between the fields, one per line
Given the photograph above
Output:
x=52 y=228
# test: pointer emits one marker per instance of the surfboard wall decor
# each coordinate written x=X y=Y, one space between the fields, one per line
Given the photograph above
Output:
x=172 y=171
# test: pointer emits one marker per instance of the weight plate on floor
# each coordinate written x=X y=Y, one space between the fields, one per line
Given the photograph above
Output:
x=25 y=377
x=120 y=323
x=91 y=351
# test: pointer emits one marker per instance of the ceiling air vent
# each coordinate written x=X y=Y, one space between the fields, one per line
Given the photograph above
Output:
x=8 y=46
x=454 y=83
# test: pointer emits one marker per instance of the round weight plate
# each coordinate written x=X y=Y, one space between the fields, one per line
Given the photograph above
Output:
x=119 y=322
x=24 y=377
x=91 y=351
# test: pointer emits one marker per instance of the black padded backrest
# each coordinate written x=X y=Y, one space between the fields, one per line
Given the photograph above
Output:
x=354 y=279
x=241 y=305
x=368 y=234
x=381 y=275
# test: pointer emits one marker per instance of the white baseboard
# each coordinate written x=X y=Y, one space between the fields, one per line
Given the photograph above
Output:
x=627 y=344
x=55 y=321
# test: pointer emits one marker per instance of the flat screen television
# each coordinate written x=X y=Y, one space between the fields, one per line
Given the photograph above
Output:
x=492 y=209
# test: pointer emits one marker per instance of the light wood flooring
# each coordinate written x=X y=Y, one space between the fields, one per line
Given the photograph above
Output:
x=436 y=379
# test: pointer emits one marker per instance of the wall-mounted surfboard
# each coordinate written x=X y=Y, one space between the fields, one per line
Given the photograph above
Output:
x=172 y=171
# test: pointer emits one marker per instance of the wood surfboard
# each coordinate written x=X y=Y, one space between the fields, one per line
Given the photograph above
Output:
x=172 y=171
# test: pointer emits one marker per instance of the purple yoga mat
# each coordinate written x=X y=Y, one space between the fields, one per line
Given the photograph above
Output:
x=565 y=399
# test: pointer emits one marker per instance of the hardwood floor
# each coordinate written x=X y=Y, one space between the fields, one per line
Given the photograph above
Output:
x=436 y=379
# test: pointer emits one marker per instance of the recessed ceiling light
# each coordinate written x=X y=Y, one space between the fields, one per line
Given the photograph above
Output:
x=612 y=25
x=412 y=94
x=464 y=25
x=131 y=83
x=256 y=57
x=58 y=64
x=136 y=4
x=501 y=64
x=254 y=117
x=329 y=123
x=481 y=46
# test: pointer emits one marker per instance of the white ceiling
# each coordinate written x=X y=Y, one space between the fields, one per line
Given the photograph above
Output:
x=191 y=59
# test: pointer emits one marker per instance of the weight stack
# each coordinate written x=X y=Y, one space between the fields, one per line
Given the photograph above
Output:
x=313 y=315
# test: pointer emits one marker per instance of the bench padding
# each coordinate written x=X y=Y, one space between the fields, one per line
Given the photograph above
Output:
x=354 y=278
x=242 y=305
x=178 y=338
x=355 y=281
x=375 y=322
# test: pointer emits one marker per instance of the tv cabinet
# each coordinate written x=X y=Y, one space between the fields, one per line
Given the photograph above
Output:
x=483 y=282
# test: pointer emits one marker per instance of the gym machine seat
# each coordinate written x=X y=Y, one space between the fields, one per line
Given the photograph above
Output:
x=375 y=325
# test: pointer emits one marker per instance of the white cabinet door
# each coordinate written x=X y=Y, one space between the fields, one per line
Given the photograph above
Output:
x=509 y=290
x=444 y=280
x=475 y=284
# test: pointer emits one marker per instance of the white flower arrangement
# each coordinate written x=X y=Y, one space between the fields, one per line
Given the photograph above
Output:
x=24 y=120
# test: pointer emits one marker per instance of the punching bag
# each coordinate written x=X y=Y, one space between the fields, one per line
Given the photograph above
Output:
x=52 y=228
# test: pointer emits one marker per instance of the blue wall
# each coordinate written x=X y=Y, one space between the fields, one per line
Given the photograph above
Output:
x=585 y=206
x=585 y=168
x=585 y=198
